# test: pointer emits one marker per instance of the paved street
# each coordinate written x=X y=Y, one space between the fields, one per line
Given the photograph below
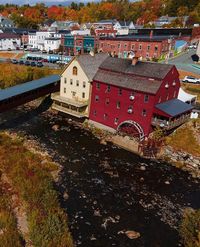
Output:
x=184 y=62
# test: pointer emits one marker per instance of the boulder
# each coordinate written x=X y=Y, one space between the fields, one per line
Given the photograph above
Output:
x=55 y=127
x=132 y=234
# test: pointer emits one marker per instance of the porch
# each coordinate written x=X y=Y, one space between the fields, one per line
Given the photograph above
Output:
x=69 y=106
x=169 y=123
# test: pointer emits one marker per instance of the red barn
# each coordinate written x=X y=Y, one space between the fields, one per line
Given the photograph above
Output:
x=134 y=97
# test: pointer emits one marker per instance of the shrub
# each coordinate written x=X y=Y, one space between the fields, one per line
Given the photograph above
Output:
x=190 y=228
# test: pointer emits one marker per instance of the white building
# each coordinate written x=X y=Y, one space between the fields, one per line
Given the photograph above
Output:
x=40 y=38
x=123 y=27
x=81 y=32
x=32 y=40
x=75 y=85
x=9 y=41
x=52 y=43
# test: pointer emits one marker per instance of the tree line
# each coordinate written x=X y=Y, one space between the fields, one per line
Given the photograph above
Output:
x=141 y=12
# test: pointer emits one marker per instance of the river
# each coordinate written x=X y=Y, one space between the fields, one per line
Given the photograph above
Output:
x=109 y=190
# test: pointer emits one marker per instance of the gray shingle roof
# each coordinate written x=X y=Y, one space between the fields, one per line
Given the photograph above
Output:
x=125 y=81
x=90 y=64
x=145 y=69
x=25 y=87
x=174 y=107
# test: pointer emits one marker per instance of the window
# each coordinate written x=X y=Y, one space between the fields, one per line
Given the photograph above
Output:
x=156 y=48
x=107 y=101
x=64 y=89
x=96 y=98
x=144 y=113
x=77 y=83
x=94 y=112
x=148 y=48
x=73 y=94
x=118 y=45
x=105 y=116
x=120 y=91
x=71 y=81
x=98 y=85
x=125 y=45
x=65 y=80
x=84 y=84
x=118 y=104
x=133 y=47
x=108 y=89
x=75 y=70
x=83 y=95
x=116 y=120
x=146 y=98
x=140 y=47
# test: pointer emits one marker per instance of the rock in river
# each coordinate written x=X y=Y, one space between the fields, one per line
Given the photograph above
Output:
x=132 y=234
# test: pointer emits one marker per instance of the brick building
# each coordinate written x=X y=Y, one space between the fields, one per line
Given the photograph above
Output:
x=135 y=97
x=145 y=47
x=79 y=44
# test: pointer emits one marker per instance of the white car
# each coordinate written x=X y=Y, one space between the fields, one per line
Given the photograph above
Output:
x=191 y=79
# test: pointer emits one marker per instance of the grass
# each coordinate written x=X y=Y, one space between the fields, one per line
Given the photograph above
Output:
x=184 y=139
x=12 y=74
x=32 y=179
x=9 y=235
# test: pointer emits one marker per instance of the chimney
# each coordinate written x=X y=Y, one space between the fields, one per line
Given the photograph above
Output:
x=134 y=61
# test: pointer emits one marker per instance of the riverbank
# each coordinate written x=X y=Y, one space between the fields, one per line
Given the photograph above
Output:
x=29 y=176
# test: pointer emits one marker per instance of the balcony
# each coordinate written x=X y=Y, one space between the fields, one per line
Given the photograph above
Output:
x=69 y=106
x=168 y=124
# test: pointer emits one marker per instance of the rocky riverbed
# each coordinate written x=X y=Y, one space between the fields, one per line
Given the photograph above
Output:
x=112 y=197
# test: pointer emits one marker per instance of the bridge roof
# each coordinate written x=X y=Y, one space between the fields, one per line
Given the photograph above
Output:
x=28 y=86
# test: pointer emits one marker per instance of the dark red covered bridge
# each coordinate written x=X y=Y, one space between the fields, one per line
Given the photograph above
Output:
x=23 y=93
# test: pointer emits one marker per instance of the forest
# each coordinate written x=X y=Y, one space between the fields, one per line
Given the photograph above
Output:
x=140 y=12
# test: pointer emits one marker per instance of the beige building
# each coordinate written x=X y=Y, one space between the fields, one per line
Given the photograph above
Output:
x=75 y=86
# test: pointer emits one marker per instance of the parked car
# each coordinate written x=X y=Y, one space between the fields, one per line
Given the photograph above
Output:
x=43 y=51
x=14 y=61
x=21 y=62
x=27 y=63
x=39 y=64
x=33 y=64
x=191 y=79
x=9 y=49
x=192 y=46
x=45 y=60
x=50 y=52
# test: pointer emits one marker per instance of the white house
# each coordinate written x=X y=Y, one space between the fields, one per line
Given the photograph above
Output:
x=75 y=87
x=123 y=27
x=52 y=43
x=9 y=41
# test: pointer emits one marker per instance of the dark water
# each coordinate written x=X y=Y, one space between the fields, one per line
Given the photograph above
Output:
x=110 y=190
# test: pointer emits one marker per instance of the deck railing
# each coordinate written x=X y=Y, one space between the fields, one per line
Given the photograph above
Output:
x=170 y=124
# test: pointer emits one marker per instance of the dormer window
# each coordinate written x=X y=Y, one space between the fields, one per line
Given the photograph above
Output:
x=75 y=70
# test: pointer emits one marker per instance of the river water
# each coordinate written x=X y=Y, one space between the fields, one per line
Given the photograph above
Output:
x=109 y=190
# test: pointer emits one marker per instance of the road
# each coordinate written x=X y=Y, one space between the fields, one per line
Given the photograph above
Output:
x=184 y=62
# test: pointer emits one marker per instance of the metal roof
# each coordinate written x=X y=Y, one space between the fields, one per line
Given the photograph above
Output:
x=174 y=107
x=135 y=83
x=143 y=69
x=28 y=86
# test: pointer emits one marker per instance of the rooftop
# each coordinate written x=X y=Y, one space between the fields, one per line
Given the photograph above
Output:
x=28 y=86
x=174 y=107
x=143 y=69
x=90 y=64
x=154 y=38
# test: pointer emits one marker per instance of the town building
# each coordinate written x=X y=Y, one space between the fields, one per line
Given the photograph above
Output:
x=52 y=43
x=123 y=27
x=145 y=47
x=75 y=85
x=104 y=24
x=41 y=36
x=32 y=40
x=81 y=32
x=9 y=41
x=135 y=97
x=167 y=20
x=63 y=25
x=79 y=44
